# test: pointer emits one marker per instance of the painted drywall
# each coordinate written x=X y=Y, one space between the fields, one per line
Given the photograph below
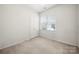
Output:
x=34 y=26
x=78 y=24
x=16 y=25
x=1 y=26
x=66 y=24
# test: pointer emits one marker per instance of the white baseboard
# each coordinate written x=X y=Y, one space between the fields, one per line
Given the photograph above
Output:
x=61 y=41
x=16 y=42
x=13 y=43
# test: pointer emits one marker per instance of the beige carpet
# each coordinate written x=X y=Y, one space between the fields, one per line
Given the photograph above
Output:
x=40 y=46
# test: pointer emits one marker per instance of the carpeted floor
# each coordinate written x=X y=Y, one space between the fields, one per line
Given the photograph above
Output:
x=40 y=46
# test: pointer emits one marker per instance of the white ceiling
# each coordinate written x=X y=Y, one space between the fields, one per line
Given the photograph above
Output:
x=40 y=7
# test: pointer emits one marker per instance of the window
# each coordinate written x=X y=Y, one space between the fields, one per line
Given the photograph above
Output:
x=48 y=23
x=51 y=23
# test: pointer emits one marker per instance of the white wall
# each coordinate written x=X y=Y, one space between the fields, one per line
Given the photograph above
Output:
x=1 y=26
x=78 y=25
x=15 y=24
x=34 y=26
x=66 y=24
